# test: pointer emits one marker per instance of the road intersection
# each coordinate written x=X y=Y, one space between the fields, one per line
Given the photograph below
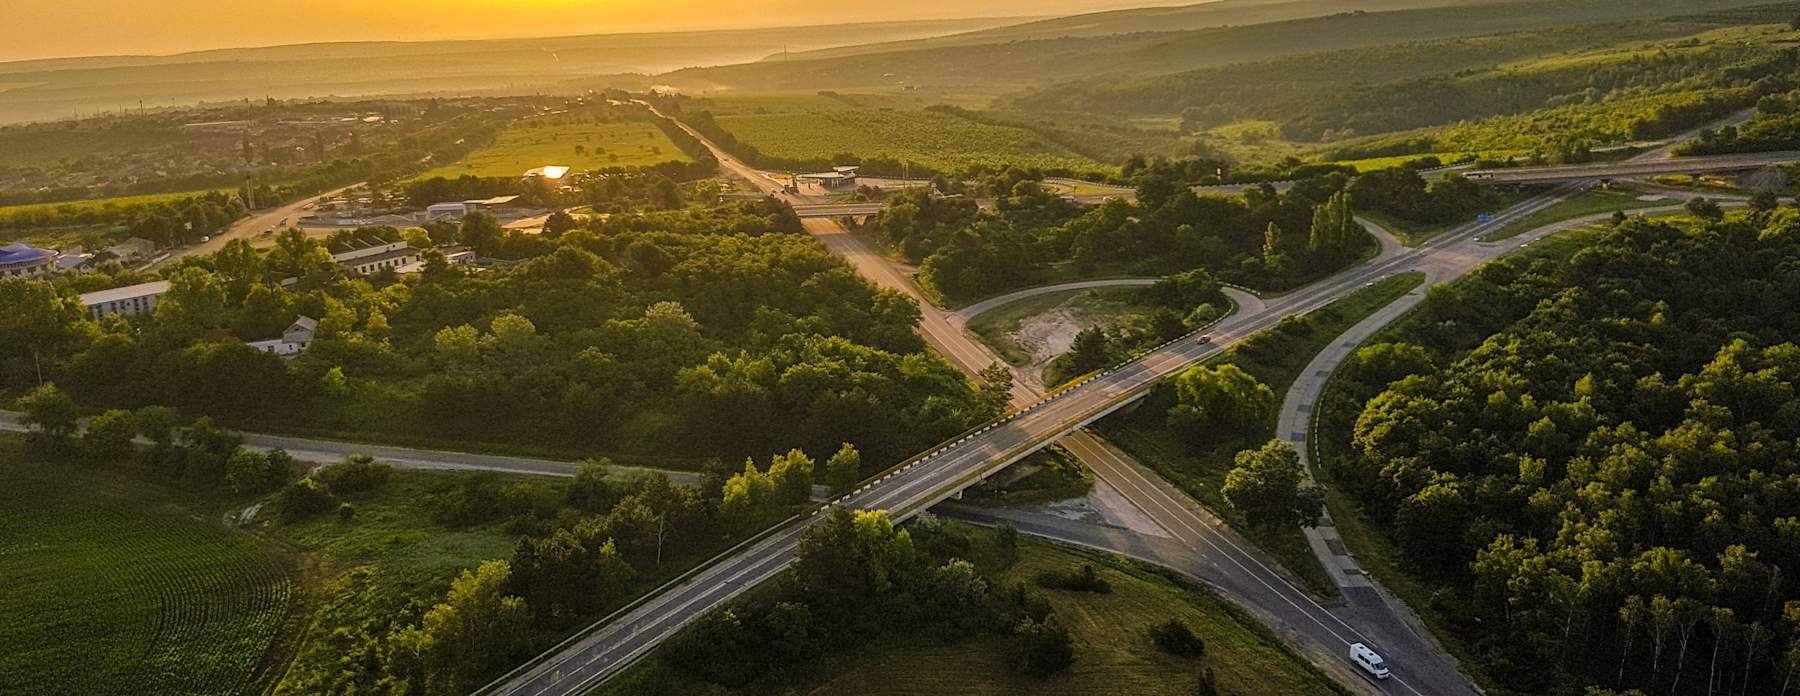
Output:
x=1421 y=667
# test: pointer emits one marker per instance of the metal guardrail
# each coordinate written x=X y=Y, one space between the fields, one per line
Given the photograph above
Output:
x=603 y=622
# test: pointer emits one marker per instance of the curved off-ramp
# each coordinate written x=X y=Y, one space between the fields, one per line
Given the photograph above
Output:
x=990 y=304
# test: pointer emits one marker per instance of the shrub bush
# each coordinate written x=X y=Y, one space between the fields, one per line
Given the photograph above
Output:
x=304 y=498
x=1175 y=638
x=357 y=474
x=1043 y=647
x=1084 y=580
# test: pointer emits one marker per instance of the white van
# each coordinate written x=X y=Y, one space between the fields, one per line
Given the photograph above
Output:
x=1368 y=661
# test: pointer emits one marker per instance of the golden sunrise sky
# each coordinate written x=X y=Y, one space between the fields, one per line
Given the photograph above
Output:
x=62 y=28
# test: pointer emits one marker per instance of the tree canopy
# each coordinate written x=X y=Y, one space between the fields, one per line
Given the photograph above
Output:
x=1597 y=456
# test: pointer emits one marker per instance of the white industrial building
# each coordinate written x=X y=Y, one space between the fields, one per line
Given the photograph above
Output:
x=378 y=258
x=457 y=210
x=129 y=300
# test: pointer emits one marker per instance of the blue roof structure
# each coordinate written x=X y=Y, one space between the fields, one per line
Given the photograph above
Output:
x=22 y=253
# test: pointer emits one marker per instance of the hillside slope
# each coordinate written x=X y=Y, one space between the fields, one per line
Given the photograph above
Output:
x=58 y=88
x=1012 y=63
x=1206 y=15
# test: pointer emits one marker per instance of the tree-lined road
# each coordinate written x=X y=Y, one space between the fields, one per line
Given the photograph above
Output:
x=321 y=451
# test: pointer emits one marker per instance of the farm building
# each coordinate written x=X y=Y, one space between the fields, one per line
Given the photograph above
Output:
x=21 y=260
x=133 y=249
x=293 y=340
x=129 y=300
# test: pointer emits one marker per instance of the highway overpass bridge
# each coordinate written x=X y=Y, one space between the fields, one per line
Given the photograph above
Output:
x=839 y=210
x=614 y=643
x=1632 y=169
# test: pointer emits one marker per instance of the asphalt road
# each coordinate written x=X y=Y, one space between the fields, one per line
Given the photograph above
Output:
x=320 y=451
x=1297 y=409
x=1635 y=168
x=610 y=645
x=256 y=224
x=1367 y=615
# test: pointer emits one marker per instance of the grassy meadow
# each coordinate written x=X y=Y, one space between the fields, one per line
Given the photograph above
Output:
x=583 y=146
x=1113 y=650
x=941 y=141
x=1587 y=203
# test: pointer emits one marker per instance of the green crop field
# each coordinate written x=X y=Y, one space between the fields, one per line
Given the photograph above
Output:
x=62 y=224
x=112 y=586
x=101 y=205
x=777 y=103
x=39 y=147
x=1113 y=650
x=940 y=141
x=602 y=146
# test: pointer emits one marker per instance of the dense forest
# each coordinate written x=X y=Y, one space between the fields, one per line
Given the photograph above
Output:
x=668 y=345
x=1594 y=460
x=1775 y=126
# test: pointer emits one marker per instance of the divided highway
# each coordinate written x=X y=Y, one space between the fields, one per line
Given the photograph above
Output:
x=1634 y=168
x=1421 y=667
x=606 y=648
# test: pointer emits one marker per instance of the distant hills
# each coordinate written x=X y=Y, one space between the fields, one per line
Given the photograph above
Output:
x=989 y=57
x=1004 y=62
x=1208 y=15
x=58 y=88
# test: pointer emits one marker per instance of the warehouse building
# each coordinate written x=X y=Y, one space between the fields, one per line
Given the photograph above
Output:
x=378 y=258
